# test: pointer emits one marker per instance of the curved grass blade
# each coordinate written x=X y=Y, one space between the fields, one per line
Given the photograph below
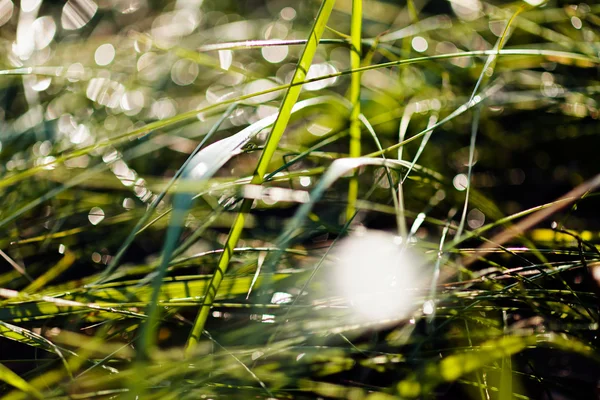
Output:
x=200 y=168
x=140 y=224
x=30 y=338
x=440 y=259
x=460 y=110
x=403 y=127
x=370 y=129
x=397 y=207
x=474 y=129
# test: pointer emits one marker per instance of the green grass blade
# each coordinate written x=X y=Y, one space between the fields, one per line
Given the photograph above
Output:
x=397 y=208
x=355 y=56
x=15 y=380
x=432 y=121
x=474 y=129
x=403 y=127
x=460 y=110
x=488 y=66
x=281 y=123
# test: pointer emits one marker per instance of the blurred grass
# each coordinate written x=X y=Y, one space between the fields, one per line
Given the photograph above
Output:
x=248 y=140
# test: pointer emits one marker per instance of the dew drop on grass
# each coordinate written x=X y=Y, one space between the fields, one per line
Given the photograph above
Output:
x=225 y=59
x=259 y=86
x=40 y=83
x=281 y=298
x=305 y=181
x=132 y=102
x=535 y=3
x=288 y=14
x=467 y=10
x=497 y=27
x=128 y=203
x=75 y=72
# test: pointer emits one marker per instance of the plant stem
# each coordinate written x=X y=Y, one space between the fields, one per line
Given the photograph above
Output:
x=355 y=55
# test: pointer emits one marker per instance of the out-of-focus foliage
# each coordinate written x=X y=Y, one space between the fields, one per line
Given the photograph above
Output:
x=439 y=263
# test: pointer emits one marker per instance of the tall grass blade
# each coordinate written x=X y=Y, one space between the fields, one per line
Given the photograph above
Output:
x=355 y=56
x=275 y=135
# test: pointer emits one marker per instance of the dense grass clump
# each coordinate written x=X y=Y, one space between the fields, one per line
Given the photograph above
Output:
x=307 y=199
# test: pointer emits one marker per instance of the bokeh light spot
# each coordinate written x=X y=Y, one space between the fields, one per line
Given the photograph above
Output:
x=77 y=13
x=105 y=54
x=96 y=215
x=419 y=44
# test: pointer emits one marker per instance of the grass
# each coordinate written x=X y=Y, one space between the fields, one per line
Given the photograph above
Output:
x=181 y=182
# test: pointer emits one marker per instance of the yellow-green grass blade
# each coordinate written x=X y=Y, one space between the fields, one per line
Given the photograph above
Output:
x=453 y=367
x=281 y=123
x=355 y=131
x=8 y=376
x=117 y=297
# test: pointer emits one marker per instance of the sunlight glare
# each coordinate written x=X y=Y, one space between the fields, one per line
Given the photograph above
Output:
x=376 y=275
